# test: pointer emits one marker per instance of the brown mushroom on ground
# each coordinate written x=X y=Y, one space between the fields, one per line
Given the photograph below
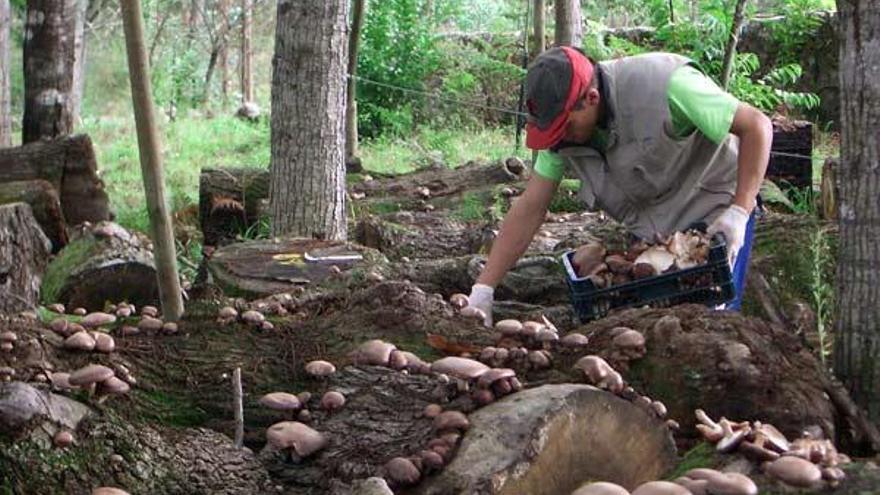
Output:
x=757 y=452
x=281 y=401
x=106 y=490
x=332 y=401
x=539 y=360
x=373 y=352
x=486 y=380
x=401 y=471
x=151 y=311
x=296 y=439
x=574 y=339
x=88 y=376
x=320 y=369
x=432 y=410
x=79 y=311
x=451 y=420
x=6 y=373
x=661 y=488
x=630 y=343
x=80 y=341
x=431 y=460
x=56 y=307
x=150 y=324
x=61 y=381
x=112 y=386
x=833 y=475
x=227 y=313
x=461 y=368
x=123 y=312
x=104 y=343
x=397 y=360
x=60 y=326
x=600 y=374
x=253 y=317
x=600 y=488
x=63 y=439
x=588 y=258
x=169 y=328
x=710 y=430
x=473 y=312
x=97 y=319
x=768 y=436
x=723 y=483
x=509 y=328
x=458 y=300
x=794 y=471
x=415 y=364
x=732 y=438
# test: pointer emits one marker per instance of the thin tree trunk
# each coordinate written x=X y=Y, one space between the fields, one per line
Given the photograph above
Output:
x=730 y=51
x=307 y=188
x=247 y=90
x=49 y=58
x=857 y=344
x=151 y=161
x=569 y=29
x=79 y=62
x=540 y=26
x=223 y=58
x=354 y=41
x=5 y=101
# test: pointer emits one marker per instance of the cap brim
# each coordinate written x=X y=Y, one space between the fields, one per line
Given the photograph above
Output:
x=542 y=139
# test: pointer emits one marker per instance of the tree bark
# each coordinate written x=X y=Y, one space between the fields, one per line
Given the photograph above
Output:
x=307 y=189
x=730 y=51
x=79 y=62
x=49 y=59
x=247 y=89
x=569 y=28
x=857 y=343
x=24 y=254
x=354 y=40
x=540 y=26
x=69 y=165
x=5 y=98
x=44 y=203
x=151 y=161
x=223 y=56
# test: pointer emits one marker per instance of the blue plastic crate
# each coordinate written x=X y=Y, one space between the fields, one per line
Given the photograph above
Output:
x=709 y=284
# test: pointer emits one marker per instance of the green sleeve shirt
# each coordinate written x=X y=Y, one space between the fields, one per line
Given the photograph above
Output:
x=695 y=103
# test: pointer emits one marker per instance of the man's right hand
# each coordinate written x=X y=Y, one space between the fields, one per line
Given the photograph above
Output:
x=482 y=296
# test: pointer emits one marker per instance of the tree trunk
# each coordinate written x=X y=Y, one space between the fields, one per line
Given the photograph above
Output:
x=247 y=90
x=569 y=28
x=354 y=40
x=49 y=59
x=5 y=99
x=307 y=189
x=44 y=203
x=104 y=263
x=151 y=161
x=223 y=57
x=857 y=343
x=69 y=165
x=540 y=26
x=24 y=254
x=730 y=51
x=79 y=63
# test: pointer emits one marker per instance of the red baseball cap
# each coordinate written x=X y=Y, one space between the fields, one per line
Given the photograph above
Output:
x=554 y=83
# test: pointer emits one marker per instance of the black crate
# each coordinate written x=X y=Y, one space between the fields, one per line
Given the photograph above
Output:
x=709 y=283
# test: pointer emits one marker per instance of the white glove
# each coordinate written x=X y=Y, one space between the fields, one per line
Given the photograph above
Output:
x=732 y=223
x=482 y=296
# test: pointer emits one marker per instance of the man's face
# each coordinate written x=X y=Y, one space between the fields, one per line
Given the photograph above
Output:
x=583 y=119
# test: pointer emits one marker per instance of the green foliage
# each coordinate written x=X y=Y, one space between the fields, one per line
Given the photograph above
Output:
x=768 y=93
x=822 y=289
x=801 y=22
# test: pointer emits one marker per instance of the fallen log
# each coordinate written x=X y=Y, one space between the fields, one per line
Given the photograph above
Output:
x=102 y=263
x=44 y=203
x=68 y=164
x=231 y=200
x=24 y=254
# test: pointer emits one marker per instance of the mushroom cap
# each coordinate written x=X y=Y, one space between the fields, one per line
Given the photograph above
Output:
x=473 y=312
x=431 y=459
x=658 y=257
x=332 y=400
x=227 y=312
x=574 y=339
x=293 y=434
x=661 y=488
x=254 y=317
x=488 y=378
x=531 y=328
x=87 y=375
x=628 y=339
x=509 y=327
x=546 y=335
x=59 y=325
x=397 y=360
x=114 y=386
x=732 y=484
x=643 y=270
x=281 y=401
x=8 y=337
x=104 y=342
x=451 y=420
x=97 y=319
x=600 y=488
x=150 y=324
x=63 y=439
x=696 y=487
x=772 y=436
x=61 y=381
x=464 y=368
x=319 y=368
x=80 y=341
x=794 y=471
x=375 y=352
x=588 y=257
x=594 y=367
x=415 y=364
x=458 y=300
x=106 y=490
x=539 y=359
x=402 y=471
x=56 y=307
x=432 y=410
x=123 y=312
x=79 y=311
x=151 y=311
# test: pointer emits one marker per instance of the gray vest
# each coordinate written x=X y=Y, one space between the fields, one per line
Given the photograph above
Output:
x=648 y=180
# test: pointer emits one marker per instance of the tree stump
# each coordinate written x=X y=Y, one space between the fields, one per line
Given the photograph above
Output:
x=231 y=200
x=102 y=263
x=68 y=164
x=24 y=254
x=44 y=203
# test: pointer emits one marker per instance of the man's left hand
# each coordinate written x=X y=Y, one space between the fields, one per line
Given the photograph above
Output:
x=732 y=223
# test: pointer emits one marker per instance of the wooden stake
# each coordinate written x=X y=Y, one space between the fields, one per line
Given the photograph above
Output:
x=151 y=161
x=238 y=408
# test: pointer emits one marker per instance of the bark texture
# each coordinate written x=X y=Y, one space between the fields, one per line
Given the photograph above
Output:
x=730 y=51
x=857 y=339
x=5 y=102
x=569 y=24
x=354 y=40
x=308 y=114
x=540 y=26
x=44 y=203
x=79 y=61
x=24 y=254
x=49 y=59
x=247 y=87
x=69 y=165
